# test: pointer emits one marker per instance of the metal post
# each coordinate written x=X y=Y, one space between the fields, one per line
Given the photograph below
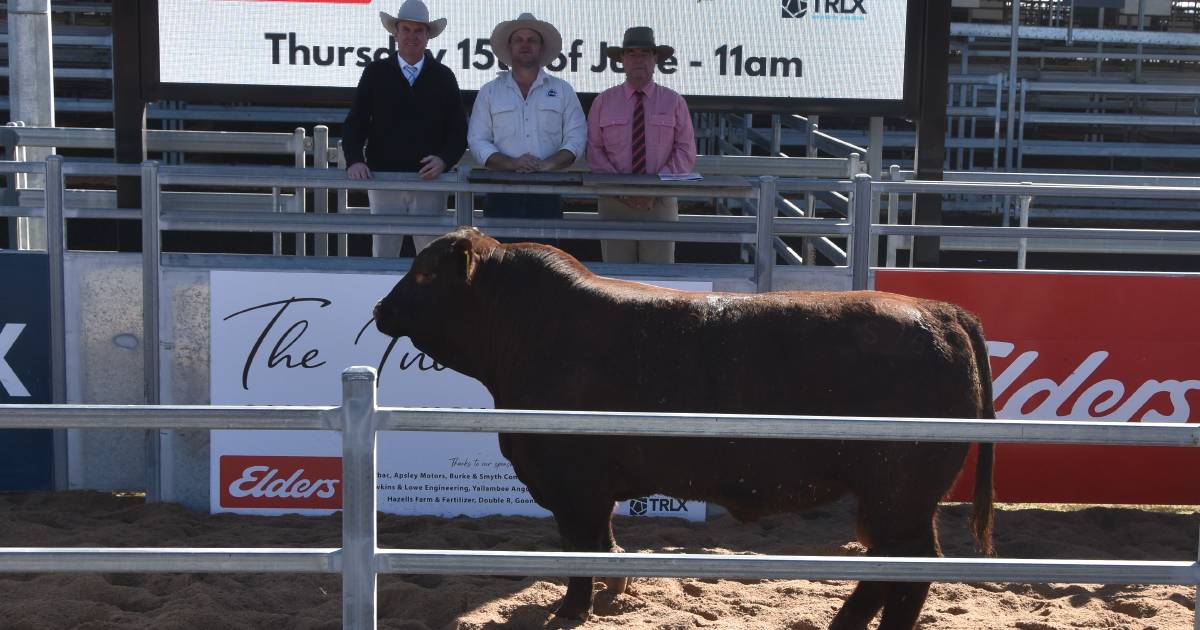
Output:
x=929 y=158
x=55 y=246
x=1013 y=47
x=776 y=135
x=151 y=250
x=875 y=166
x=1021 y=128
x=875 y=147
x=893 y=216
x=1141 y=25
x=321 y=195
x=810 y=200
x=358 y=499
x=996 y=124
x=464 y=202
x=276 y=207
x=300 y=147
x=860 y=237
x=343 y=202
x=31 y=88
x=747 y=145
x=129 y=112
x=963 y=90
x=764 y=251
x=720 y=134
x=1023 y=219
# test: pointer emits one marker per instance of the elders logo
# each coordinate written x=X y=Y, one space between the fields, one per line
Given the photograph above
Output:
x=1090 y=390
x=262 y=481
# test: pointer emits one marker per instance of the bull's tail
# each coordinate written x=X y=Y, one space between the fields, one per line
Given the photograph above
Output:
x=983 y=514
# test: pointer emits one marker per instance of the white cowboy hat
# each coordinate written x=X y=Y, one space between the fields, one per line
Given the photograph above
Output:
x=413 y=11
x=551 y=38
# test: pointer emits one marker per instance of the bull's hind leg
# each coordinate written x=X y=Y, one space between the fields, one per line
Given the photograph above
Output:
x=583 y=527
x=895 y=525
x=861 y=606
x=614 y=585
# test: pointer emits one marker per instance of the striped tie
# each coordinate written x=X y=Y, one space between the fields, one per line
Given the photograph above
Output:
x=639 y=134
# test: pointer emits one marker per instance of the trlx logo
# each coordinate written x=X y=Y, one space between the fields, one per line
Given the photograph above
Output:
x=645 y=505
x=830 y=8
x=8 y=378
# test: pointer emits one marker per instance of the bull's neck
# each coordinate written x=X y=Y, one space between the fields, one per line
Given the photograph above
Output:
x=521 y=296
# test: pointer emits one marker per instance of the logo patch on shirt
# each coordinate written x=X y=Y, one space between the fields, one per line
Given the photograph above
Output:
x=552 y=92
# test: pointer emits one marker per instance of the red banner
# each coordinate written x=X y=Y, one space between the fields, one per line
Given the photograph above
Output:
x=1118 y=348
x=269 y=481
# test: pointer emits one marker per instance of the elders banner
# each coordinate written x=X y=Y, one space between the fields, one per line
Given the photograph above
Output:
x=1101 y=347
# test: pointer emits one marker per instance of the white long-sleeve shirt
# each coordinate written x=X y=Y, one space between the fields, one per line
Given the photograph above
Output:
x=548 y=120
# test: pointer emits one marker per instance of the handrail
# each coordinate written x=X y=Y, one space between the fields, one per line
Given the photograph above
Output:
x=240 y=142
x=1142 y=89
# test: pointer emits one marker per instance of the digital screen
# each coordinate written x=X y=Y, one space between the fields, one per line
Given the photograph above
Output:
x=814 y=50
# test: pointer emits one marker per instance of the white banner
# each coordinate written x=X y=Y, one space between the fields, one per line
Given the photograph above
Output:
x=827 y=49
x=281 y=338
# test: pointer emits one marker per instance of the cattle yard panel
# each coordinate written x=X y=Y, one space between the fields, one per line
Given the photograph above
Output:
x=360 y=560
x=749 y=230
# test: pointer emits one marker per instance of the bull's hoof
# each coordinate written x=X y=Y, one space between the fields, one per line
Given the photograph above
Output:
x=572 y=613
x=616 y=585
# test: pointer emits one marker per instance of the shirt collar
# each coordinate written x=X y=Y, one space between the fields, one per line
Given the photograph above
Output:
x=542 y=77
x=404 y=64
x=647 y=89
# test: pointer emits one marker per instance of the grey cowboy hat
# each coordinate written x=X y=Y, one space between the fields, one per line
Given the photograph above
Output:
x=413 y=11
x=551 y=38
x=639 y=37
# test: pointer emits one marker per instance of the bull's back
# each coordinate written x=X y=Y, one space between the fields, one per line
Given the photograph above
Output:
x=860 y=353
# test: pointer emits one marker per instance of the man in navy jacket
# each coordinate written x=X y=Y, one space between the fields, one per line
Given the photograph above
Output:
x=409 y=116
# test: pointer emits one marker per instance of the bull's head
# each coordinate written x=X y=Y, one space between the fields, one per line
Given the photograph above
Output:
x=434 y=301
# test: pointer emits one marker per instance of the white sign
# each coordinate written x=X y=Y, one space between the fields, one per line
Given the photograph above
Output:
x=827 y=49
x=283 y=339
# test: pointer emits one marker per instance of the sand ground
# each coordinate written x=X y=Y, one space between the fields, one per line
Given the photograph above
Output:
x=99 y=601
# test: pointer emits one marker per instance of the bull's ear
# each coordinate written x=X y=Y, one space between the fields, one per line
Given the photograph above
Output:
x=467 y=258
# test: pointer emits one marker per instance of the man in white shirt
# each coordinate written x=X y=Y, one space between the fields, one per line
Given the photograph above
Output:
x=526 y=120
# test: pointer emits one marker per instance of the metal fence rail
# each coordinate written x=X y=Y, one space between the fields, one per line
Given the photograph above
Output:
x=360 y=560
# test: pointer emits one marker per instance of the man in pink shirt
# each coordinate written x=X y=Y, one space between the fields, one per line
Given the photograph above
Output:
x=640 y=127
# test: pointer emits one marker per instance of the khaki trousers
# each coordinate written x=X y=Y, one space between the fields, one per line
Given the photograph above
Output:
x=661 y=252
x=403 y=202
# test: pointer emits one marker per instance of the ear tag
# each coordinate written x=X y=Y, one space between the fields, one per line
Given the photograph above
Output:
x=468 y=262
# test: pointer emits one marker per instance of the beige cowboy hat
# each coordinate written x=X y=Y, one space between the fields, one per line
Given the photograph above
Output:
x=639 y=37
x=551 y=38
x=413 y=11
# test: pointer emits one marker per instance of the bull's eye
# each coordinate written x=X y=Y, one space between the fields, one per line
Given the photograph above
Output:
x=423 y=278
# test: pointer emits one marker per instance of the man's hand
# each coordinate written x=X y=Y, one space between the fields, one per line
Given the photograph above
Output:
x=432 y=166
x=358 y=170
x=527 y=164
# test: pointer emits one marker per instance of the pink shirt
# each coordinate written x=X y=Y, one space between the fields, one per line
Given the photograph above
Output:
x=670 y=139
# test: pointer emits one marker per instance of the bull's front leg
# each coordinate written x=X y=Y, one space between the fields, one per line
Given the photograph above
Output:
x=584 y=527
